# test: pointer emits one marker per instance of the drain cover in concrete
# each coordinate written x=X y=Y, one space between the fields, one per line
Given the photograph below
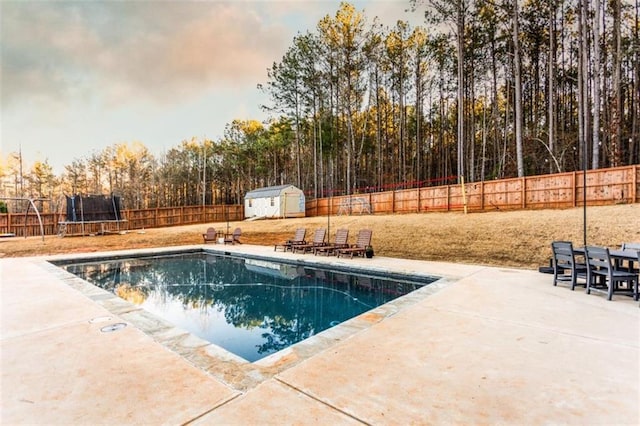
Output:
x=113 y=327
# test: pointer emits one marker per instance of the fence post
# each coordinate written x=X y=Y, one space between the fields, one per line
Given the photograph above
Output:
x=574 y=188
x=464 y=194
x=393 y=201
x=523 y=191
x=634 y=183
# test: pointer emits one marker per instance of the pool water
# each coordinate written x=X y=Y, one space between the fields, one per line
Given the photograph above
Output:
x=249 y=307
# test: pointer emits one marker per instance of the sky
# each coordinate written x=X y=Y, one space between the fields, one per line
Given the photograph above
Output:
x=79 y=76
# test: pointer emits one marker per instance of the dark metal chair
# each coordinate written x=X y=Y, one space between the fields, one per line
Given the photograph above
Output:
x=638 y=277
x=630 y=246
x=602 y=274
x=633 y=247
x=565 y=267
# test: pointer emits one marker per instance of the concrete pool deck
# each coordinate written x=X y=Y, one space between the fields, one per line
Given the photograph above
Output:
x=485 y=345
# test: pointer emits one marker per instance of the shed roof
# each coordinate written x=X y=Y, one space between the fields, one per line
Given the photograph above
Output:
x=268 y=191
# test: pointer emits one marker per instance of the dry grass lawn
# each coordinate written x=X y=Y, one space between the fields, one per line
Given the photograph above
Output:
x=501 y=238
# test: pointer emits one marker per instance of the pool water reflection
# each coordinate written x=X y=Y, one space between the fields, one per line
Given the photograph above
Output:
x=250 y=307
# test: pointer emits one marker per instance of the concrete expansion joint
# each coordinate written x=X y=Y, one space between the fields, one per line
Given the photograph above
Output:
x=480 y=270
x=212 y=409
x=351 y=416
x=46 y=330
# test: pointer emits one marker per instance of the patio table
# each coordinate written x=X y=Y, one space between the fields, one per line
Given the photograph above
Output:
x=617 y=255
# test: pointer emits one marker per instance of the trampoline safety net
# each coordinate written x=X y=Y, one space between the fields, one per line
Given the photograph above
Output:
x=90 y=208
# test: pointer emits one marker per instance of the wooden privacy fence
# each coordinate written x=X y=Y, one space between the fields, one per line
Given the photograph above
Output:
x=563 y=190
x=28 y=225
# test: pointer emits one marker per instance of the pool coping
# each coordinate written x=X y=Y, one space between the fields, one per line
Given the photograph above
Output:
x=225 y=366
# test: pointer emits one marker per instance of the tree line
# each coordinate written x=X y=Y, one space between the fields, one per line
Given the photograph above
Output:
x=484 y=89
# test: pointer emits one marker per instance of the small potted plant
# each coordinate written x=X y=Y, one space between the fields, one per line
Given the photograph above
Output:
x=368 y=251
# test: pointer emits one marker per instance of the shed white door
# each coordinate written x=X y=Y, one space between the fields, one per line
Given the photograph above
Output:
x=291 y=204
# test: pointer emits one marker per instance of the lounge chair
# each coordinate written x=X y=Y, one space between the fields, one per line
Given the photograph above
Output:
x=234 y=237
x=210 y=235
x=298 y=238
x=565 y=267
x=318 y=241
x=358 y=249
x=341 y=241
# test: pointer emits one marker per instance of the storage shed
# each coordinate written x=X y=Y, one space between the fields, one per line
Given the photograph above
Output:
x=274 y=201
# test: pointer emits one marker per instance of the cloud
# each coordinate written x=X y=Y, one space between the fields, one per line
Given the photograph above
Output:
x=114 y=52
x=117 y=52
x=77 y=76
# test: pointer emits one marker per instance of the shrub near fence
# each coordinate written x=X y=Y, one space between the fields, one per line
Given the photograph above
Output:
x=28 y=225
x=563 y=190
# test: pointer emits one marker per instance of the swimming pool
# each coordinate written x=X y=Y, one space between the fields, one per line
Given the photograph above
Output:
x=251 y=307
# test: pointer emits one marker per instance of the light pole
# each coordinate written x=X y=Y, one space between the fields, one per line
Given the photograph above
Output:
x=227 y=219
x=584 y=195
x=204 y=172
x=329 y=206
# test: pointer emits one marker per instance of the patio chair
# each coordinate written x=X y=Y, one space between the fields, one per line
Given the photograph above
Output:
x=340 y=241
x=602 y=274
x=630 y=246
x=233 y=237
x=210 y=235
x=298 y=238
x=358 y=249
x=565 y=267
x=318 y=241
x=638 y=278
